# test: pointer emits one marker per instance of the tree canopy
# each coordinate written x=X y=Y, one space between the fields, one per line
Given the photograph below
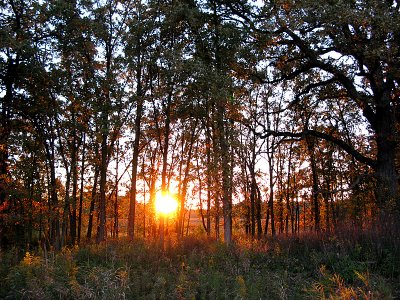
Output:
x=265 y=115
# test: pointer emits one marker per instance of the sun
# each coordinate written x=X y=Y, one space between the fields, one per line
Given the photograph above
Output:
x=165 y=204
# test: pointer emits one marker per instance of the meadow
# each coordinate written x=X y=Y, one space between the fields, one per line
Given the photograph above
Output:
x=347 y=264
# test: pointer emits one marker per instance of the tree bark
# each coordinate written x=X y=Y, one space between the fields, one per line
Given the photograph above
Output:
x=164 y=189
x=270 y=209
x=387 y=187
x=115 y=231
x=81 y=188
x=94 y=196
x=138 y=132
x=315 y=192
x=101 y=233
x=226 y=188
x=74 y=171
x=185 y=180
x=53 y=199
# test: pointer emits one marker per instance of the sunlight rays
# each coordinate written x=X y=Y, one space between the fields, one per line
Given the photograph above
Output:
x=165 y=204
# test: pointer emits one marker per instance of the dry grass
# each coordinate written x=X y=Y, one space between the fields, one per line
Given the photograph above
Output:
x=350 y=264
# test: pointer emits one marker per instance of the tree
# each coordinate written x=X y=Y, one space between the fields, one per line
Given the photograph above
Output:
x=73 y=90
x=111 y=18
x=218 y=53
x=250 y=156
x=17 y=54
x=344 y=50
x=217 y=93
x=26 y=56
x=137 y=41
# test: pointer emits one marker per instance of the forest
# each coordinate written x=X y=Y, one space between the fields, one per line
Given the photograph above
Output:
x=270 y=127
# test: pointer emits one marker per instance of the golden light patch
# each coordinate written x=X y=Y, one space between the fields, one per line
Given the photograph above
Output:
x=165 y=204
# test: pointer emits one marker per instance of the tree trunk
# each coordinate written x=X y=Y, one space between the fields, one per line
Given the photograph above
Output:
x=314 y=197
x=297 y=222
x=67 y=209
x=135 y=162
x=289 y=205
x=270 y=210
x=9 y=79
x=208 y=169
x=94 y=196
x=259 y=213
x=53 y=199
x=136 y=143
x=252 y=202
x=101 y=232
x=226 y=188
x=115 y=231
x=387 y=187
x=185 y=180
x=74 y=171
x=165 y=159
x=81 y=188
x=5 y=131
x=144 y=202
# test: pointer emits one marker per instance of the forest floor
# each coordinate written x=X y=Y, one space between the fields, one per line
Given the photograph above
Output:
x=346 y=265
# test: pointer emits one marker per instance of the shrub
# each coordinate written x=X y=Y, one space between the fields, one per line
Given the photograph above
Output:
x=314 y=265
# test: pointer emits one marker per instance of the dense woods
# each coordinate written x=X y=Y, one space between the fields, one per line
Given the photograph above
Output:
x=270 y=128
x=264 y=117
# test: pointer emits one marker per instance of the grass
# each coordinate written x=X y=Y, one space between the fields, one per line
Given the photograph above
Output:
x=347 y=265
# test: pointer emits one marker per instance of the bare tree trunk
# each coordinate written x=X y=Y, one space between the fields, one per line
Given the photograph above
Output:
x=201 y=205
x=252 y=201
x=116 y=216
x=294 y=206
x=94 y=196
x=315 y=201
x=297 y=222
x=180 y=224
x=216 y=224
x=101 y=232
x=5 y=132
x=186 y=175
x=74 y=171
x=289 y=205
x=188 y=221
x=53 y=199
x=138 y=132
x=208 y=170
x=67 y=209
x=165 y=159
x=270 y=210
x=304 y=215
x=387 y=141
x=226 y=188
x=135 y=161
x=267 y=217
x=151 y=182
x=144 y=204
x=259 y=213
x=81 y=188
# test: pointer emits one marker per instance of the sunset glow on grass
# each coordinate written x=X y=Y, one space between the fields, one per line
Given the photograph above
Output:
x=165 y=204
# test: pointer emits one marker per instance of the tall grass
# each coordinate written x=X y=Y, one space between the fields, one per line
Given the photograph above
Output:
x=349 y=264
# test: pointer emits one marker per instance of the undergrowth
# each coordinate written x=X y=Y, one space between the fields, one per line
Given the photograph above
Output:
x=344 y=265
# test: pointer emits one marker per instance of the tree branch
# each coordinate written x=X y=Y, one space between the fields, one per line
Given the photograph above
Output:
x=308 y=132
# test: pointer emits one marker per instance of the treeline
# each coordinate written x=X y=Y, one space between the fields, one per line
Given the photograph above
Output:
x=289 y=108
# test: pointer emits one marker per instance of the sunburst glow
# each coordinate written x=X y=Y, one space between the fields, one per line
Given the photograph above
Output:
x=165 y=203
